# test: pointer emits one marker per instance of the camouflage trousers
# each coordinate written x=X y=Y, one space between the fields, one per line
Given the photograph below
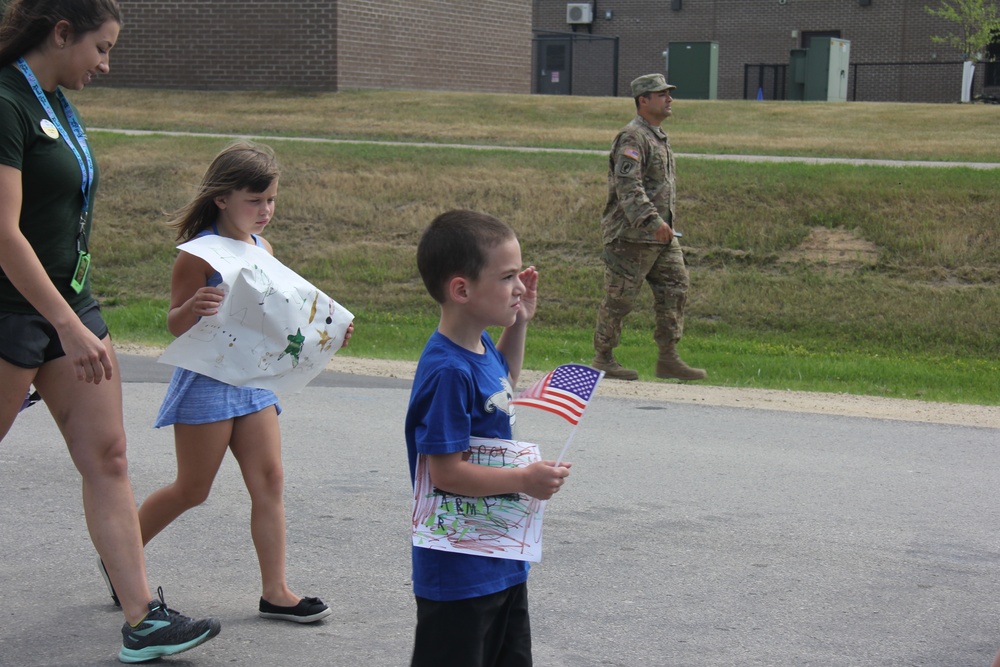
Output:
x=626 y=267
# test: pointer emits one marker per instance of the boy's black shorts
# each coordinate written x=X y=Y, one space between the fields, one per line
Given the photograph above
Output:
x=30 y=341
x=492 y=630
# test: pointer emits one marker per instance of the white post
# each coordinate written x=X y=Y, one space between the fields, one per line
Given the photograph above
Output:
x=968 y=69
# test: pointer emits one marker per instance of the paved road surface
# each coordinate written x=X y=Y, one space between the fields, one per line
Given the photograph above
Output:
x=688 y=535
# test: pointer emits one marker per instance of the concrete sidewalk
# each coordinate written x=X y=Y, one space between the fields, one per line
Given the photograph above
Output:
x=731 y=157
x=687 y=535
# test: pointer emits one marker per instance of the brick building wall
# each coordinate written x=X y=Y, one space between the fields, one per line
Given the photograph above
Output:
x=761 y=31
x=438 y=45
x=303 y=44
x=226 y=45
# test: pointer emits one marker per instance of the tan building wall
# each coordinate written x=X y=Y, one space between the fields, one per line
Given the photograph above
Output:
x=481 y=45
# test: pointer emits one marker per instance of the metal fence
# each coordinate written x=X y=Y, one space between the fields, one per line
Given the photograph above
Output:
x=764 y=82
x=933 y=81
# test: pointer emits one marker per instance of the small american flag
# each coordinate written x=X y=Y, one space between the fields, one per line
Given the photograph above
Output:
x=565 y=391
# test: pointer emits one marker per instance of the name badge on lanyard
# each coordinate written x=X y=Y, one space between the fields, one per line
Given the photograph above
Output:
x=53 y=128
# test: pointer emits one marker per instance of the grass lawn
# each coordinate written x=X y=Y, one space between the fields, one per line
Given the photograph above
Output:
x=864 y=280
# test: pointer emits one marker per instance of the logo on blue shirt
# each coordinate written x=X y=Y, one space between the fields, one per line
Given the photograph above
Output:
x=501 y=400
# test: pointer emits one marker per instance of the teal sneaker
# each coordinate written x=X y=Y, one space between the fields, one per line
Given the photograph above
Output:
x=164 y=632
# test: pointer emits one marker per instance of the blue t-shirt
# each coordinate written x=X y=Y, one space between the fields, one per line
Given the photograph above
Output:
x=458 y=394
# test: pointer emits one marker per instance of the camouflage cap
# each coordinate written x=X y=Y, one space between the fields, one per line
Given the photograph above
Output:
x=650 y=83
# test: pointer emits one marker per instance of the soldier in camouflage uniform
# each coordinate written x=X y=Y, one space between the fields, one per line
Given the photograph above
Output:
x=639 y=240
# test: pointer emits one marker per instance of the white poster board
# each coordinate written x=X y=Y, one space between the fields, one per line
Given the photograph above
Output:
x=274 y=330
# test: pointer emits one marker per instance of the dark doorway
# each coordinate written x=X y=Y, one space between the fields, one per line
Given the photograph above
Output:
x=567 y=63
x=993 y=62
x=555 y=57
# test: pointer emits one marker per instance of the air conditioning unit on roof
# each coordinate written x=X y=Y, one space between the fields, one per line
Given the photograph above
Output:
x=578 y=13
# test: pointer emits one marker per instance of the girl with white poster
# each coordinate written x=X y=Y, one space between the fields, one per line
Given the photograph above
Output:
x=235 y=200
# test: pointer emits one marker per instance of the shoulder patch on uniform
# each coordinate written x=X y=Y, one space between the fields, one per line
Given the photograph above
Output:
x=631 y=152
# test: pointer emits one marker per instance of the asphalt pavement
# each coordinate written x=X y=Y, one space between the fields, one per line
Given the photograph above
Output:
x=687 y=535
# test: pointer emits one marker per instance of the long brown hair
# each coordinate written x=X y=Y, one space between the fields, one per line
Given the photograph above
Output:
x=27 y=23
x=242 y=165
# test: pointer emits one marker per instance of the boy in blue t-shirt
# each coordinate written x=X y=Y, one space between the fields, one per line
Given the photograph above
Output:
x=472 y=611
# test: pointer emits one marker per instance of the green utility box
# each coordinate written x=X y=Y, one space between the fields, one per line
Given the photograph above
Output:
x=819 y=73
x=796 y=87
x=694 y=68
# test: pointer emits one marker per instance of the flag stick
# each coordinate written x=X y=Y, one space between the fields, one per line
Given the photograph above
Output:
x=566 y=446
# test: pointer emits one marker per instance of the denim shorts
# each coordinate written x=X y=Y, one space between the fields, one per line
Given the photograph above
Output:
x=30 y=341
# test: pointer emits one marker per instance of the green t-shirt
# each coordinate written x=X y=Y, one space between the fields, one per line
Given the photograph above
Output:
x=50 y=188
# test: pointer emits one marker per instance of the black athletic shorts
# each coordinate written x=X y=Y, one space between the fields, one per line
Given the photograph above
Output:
x=29 y=341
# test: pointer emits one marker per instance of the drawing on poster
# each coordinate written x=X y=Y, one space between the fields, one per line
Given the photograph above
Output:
x=507 y=526
x=266 y=333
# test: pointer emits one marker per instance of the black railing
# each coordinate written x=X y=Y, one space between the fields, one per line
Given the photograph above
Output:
x=768 y=84
x=933 y=81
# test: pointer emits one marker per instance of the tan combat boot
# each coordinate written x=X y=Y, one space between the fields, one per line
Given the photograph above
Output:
x=612 y=369
x=669 y=365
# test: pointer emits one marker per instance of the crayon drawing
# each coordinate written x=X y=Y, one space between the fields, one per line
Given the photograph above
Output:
x=508 y=526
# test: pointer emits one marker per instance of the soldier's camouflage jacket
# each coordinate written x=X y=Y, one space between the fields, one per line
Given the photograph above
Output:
x=642 y=189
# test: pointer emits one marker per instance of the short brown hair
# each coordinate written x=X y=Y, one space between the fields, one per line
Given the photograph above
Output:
x=456 y=244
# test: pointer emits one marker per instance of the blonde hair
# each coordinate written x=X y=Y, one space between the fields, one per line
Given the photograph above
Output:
x=242 y=165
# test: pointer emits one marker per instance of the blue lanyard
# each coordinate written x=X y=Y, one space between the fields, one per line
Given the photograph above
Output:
x=85 y=161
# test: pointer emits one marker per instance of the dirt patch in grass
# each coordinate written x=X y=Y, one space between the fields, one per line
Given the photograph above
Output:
x=837 y=249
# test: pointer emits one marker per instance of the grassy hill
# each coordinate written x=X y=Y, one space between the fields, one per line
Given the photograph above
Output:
x=870 y=280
